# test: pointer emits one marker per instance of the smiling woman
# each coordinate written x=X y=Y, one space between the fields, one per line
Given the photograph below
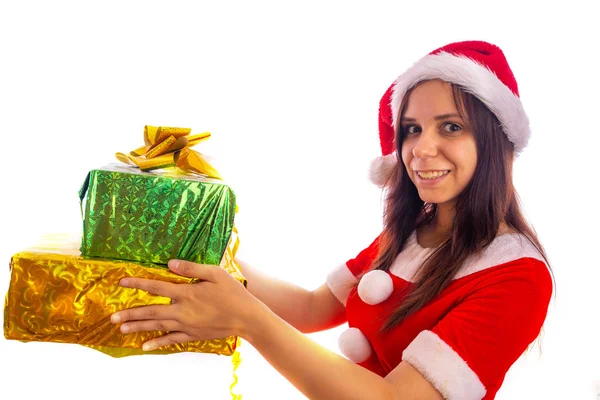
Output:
x=445 y=299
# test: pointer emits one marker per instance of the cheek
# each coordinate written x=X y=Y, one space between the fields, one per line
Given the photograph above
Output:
x=467 y=154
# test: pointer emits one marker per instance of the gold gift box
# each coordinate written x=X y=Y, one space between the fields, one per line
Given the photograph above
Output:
x=56 y=295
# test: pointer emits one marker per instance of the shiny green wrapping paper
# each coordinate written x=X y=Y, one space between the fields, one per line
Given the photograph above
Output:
x=56 y=295
x=155 y=216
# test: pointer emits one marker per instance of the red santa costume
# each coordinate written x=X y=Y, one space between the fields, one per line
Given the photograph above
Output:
x=465 y=340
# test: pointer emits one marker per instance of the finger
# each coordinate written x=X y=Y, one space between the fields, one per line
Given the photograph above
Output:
x=153 y=312
x=192 y=270
x=171 y=338
x=150 y=325
x=152 y=286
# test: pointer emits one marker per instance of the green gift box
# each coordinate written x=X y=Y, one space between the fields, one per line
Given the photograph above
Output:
x=155 y=216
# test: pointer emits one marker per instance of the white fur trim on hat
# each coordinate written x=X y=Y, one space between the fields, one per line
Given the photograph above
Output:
x=443 y=368
x=475 y=79
x=354 y=345
x=375 y=286
x=381 y=169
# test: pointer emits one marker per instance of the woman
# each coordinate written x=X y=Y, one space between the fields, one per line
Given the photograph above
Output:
x=451 y=293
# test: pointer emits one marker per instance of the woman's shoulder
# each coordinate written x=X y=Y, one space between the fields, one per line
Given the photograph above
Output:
x=511 y=273
x=509 y=251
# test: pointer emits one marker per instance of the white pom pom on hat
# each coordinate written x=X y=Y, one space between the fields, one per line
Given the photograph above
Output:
x=481 y=69
x=382 y=168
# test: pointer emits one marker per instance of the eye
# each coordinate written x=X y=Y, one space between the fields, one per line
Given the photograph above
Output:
x=451 y=127
x=410 y=130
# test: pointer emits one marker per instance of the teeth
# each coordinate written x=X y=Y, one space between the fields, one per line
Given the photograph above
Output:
x=432 y=174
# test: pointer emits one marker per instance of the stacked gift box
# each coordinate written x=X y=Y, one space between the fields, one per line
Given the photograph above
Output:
x=136 y=217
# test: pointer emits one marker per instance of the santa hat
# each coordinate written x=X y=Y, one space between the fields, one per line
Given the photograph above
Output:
x=479 y=68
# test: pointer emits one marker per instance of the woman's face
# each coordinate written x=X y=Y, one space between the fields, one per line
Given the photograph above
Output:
x=438 y=151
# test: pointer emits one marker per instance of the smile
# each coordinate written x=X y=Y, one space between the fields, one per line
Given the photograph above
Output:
x=429 y=175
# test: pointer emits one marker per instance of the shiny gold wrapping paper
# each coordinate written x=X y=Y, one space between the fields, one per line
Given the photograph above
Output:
x=153 y=217
x=56 y=295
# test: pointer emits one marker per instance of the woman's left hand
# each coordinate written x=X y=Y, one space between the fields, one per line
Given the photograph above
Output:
x=215 y=308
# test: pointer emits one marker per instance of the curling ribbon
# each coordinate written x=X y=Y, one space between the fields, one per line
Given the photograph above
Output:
x=236 y=360
x=170 y=147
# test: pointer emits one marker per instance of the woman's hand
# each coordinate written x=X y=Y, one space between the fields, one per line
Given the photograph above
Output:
x=215 y=308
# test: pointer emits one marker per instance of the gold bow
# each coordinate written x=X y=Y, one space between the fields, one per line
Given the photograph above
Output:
x=170 y=147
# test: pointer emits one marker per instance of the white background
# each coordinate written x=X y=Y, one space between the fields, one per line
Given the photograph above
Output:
x=290 y=94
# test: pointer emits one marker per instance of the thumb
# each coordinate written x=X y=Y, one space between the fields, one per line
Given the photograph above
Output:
x=193 y=270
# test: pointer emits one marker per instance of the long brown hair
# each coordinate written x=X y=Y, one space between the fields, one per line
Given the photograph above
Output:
x=488 y=200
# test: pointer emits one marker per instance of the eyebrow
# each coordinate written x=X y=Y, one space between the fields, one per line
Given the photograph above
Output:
x=437 y=117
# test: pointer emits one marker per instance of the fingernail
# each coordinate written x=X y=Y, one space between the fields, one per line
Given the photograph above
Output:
x=174 y=264
x=115 y=318
x=147 y=347
x=124 y=328
x=124 y=282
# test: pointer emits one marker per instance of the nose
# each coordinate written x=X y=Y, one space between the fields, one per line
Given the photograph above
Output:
x=426 y=145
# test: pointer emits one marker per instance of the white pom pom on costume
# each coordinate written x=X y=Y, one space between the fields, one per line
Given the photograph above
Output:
x=381 y=169
x=375 y=286
x=354 y=345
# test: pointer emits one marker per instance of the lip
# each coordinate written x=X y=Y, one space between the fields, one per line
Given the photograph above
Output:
x=430 y=182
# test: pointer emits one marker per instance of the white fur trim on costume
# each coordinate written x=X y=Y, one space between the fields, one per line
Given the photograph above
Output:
x=381 y=169
x=354 y=345
x=443 y=368
x=375 y=286
x=474 y=78
x=504 y=248
x=407 y=263
x=341 y=281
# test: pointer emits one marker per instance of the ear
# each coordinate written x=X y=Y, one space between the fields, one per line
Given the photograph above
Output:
x=382 y=168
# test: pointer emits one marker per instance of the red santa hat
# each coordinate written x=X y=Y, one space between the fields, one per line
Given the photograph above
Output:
x=479 y=68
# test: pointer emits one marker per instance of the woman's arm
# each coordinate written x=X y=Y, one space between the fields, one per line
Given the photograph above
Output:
x=321 y=374
x=307 y=311
x=220 y=306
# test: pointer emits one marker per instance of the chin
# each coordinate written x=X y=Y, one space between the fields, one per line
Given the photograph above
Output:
x=433 y=199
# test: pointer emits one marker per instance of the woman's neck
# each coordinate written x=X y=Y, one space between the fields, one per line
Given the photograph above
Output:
x=435 y=232
x=443 y=218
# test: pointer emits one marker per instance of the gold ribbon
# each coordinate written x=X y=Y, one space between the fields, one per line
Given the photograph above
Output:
x=236 y=360
x=170 y=147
